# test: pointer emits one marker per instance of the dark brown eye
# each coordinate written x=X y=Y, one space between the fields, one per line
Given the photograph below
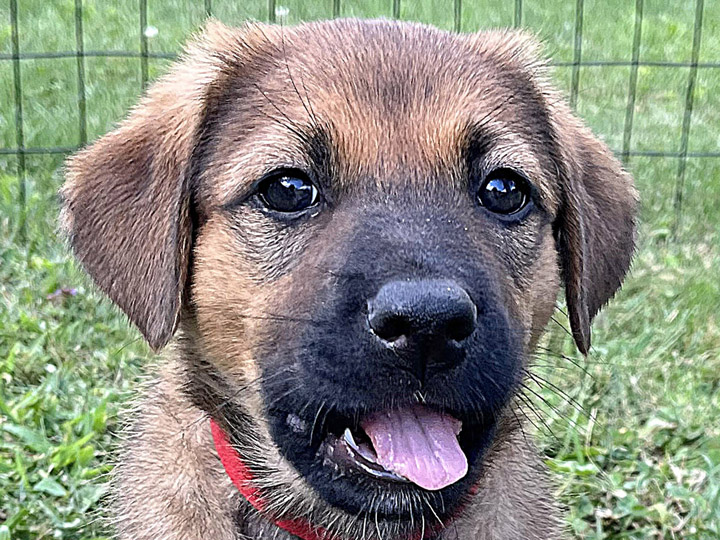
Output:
x=504 y=191
x=288 y=192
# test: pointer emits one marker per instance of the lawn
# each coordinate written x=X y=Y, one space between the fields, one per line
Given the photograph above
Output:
x=632 y=432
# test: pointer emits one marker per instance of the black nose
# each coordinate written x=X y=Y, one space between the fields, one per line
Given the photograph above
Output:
x=439 y=310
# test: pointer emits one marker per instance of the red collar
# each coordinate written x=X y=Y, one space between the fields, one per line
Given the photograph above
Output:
x=242 y=477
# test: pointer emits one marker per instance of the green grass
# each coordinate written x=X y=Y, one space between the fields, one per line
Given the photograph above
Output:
x=634 y=436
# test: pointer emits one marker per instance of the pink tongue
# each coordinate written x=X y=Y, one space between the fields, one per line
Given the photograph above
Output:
x=418 y=444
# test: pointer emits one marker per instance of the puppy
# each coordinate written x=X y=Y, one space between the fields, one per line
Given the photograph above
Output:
x=356 y=232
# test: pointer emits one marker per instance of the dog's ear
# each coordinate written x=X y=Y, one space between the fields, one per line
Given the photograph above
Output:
x=595 y=227
x=126 y=199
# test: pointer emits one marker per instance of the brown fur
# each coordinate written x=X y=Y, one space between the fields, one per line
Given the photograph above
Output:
x=144 y=207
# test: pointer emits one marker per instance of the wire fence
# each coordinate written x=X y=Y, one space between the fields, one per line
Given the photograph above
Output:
x=143 y=55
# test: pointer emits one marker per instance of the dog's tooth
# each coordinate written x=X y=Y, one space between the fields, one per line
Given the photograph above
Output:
x=363 y=450
x=350 y=440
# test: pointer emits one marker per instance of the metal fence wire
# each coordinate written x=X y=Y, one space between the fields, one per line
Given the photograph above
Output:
x=143 y=54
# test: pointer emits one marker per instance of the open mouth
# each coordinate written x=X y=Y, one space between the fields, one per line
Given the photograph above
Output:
x=410 y=445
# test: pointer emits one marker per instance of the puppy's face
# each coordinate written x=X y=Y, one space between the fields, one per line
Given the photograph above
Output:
x=362 y=229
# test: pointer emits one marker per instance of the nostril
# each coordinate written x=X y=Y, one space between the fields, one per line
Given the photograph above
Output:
x=462 y=326
x=389 y=326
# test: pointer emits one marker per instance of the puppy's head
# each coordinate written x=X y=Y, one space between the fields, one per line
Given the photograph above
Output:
x=360 y=229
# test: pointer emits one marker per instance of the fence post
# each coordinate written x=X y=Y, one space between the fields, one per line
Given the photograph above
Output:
x=687 y=117
x=19 y=131
x=632 y=86
x=518 y=14
x=143 y=44
x=577 y=52
x=80 y=50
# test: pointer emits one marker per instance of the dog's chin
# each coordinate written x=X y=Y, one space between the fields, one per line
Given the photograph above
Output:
x=336 y=456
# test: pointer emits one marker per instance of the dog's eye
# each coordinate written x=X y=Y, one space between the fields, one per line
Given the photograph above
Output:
x=288 y=192
x=504 y=191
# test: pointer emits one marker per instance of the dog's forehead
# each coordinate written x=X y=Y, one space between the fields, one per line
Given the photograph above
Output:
x=390 y=101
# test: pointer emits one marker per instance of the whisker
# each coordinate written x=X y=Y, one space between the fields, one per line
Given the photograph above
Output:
x=520 y=425
x=310 y=113
x=561 y=325
x=291 y=126
x=548 y=365
x=229 y=399
x=587 y=360
x=537 y=379
x=561 y=310
x=317 y=415
x=544 y=400
x=282 y=396
x=427 y=503
x=540 y=417
x=572 y=423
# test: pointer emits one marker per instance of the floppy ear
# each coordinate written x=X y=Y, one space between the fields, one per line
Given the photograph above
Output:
x=127 y=199
x=595 y=227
